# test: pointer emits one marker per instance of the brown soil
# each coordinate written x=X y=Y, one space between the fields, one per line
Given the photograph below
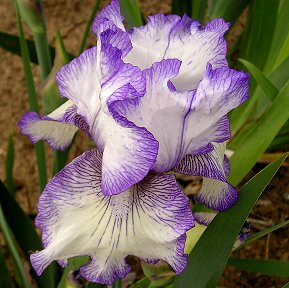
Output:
x=69 y=17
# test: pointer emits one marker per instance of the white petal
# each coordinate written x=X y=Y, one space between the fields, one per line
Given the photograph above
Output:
x=166 y=37
x=58 y=128
x=148 y=221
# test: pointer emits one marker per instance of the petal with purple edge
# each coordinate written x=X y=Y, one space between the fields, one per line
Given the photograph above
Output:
x=77 y=81
x=195 y=118
x=129 y=151
x=149 y=220
x=216 y=192
x=108 y=27
x=165 y=37
x=57 y=128
x=109 y=17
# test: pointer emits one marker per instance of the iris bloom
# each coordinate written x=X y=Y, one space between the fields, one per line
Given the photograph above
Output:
x=153 y=99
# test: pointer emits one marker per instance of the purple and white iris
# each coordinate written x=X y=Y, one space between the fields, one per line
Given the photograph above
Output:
x=154 y=99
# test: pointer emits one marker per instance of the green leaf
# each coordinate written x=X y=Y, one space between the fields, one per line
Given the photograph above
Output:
x=230 y=10
x=199 y=10
x=209 y=257
x=5 y=280
x=257 y=141
x=13 y=250
x=142 y=283
x=11 y=43
x=269 y=89
x=9 y=165
x=88 y=25
x=33 y=14
x=132 y=12
x=30 y=11
x=262 y=233
x=278 y=50
x=259 y=31
x=94 y=285
x=267 y=267
x=32 y=97
x=73 y=264
x=182 y=7
x=286 y=285
x=24 y=233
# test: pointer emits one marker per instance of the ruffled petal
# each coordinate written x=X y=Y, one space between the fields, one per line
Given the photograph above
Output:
x=57 y=128
x=149 y=220
x=216 y=192
x=129 y=151
x=185 y=122
x=165 y=37
x=108 y=26
x=108 y=18
x=77 y=81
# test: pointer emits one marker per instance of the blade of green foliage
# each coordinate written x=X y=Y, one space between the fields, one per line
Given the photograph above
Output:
x=262 y=233
x=253 y=109
x=263 y=99
x=132 y=12
x=116 y=284
x=25 y=233
x=198 y=10
x=142 y=283
x=181 y=7
x=209 y=256
x=280 y=74
x=39 y=147
x=268 y=87
x=267 y=267
x=13 y=250
x=32 y=13
x=255 y=144
x=5 y=280
x=278 y=51
x=88 y=25
x=11 y=43
x=257 y=104
x=51 y=97
x=160 y=274
x=230 y=10
x=9 y=165
x=286 y=285
x=280 y=142
x=255 y=45
x=94 y=285
x=259 y=32
x=73 y=264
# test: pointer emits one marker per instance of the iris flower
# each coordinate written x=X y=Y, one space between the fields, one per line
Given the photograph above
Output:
x=154 y=99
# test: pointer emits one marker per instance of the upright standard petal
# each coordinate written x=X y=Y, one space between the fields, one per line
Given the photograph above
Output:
x=110 y=16
x=216 y=192
x=108 y=27
x=149 y=220
x=165 y=37
x=57 y=128
x=129 y=151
